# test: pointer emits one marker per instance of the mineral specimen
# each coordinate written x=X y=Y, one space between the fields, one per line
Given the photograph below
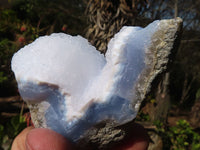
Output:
x=70 y=87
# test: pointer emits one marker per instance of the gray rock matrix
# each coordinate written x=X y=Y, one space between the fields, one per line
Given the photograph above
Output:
x=158 y=57
x=165 y=42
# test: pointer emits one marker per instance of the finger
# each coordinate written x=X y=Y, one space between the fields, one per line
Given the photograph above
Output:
x=137 y=139
x=46 y=139
x=19 y=141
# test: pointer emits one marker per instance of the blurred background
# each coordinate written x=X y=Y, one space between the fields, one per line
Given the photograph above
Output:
x=171 y=112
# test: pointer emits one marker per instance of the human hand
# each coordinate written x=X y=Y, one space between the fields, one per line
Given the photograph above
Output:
x=46 y=139
x=40 y=139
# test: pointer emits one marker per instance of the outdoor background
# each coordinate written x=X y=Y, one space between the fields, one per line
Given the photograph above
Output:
x=171 y=113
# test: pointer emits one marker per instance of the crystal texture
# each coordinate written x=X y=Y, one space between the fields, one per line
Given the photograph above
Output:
x=70 y=87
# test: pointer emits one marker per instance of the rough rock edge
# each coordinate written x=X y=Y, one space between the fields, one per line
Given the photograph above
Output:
x=162 y=51
x=37 y=111
x=106 y=134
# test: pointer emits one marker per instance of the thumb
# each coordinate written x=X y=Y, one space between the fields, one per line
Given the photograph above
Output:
x=46 y=139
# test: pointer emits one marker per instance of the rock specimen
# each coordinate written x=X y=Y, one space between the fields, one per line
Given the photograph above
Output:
x=73 y=89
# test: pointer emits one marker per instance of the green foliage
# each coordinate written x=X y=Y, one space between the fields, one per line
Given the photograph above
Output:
x=160 y=126
x=16 y=125
x=196 y=141
x=11 y=129
x=179 y=137
x=142 y=117
x=198 y=94
x=2 y=78
x=1 y=133
x=7 y=48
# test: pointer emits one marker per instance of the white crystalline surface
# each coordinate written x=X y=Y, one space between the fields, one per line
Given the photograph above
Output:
x=68 y=62
x=81 y=85
x=63 y=60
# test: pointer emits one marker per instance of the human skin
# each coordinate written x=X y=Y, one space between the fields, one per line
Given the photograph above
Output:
x=46 y=139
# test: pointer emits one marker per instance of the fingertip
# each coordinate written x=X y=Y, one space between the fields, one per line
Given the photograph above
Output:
x=46 y=139
x=19 y=141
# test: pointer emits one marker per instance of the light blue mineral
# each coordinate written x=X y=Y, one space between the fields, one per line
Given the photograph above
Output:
x=70 y=87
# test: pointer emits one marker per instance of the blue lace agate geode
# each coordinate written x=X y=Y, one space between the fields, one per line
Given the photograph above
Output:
x=70 y=87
